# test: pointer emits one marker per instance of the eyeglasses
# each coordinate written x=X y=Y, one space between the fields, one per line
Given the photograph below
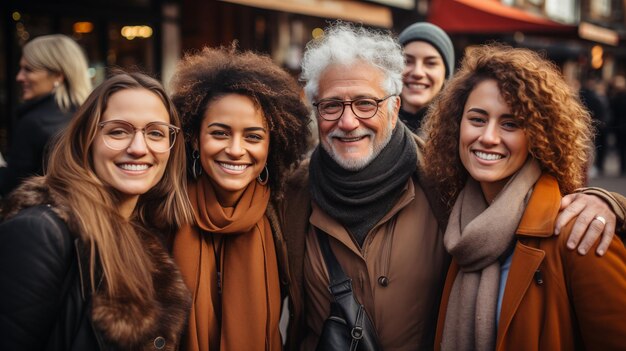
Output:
x=363 y=108
x=118 y=135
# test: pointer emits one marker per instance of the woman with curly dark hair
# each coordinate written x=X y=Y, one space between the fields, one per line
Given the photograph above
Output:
x=515 y=138
x=245 y=126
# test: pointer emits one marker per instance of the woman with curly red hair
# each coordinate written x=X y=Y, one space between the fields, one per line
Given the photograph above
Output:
x=245 y=127
x=518 y=138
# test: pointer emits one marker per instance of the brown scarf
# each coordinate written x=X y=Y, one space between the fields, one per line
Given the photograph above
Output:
x=477 y=236
x=250 y=302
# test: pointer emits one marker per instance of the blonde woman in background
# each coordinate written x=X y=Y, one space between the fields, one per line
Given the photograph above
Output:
x=55 y=82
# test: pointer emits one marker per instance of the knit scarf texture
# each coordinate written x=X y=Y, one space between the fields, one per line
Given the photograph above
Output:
x=359 y=199
x=250 y=302
x=477 y=236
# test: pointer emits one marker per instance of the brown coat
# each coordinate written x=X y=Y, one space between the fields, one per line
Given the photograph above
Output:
x=556 y=299
x=405 y=246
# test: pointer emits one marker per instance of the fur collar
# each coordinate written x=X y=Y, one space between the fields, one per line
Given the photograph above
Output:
x=123 y=323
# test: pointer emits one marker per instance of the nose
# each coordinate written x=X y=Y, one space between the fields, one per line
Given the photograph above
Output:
x=235 y=149
x=417 y=69
x=20 y=76
x=348 y=120
x=138 y=145
x=490 y=135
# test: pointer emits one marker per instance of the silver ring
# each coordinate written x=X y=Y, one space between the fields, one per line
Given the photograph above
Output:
x=601 y=219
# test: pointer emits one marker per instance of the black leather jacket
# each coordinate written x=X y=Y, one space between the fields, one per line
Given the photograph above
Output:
x=42 y=301
x=46 y=300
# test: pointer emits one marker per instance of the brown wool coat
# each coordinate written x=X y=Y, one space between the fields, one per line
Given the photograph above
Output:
x=556 y=299
x=405 y=246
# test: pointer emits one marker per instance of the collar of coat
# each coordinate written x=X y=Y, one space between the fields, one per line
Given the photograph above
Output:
x=126 y=323
x=542 y=209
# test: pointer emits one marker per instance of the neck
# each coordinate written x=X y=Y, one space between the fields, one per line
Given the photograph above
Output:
x=410 y=108
x=227 y=198
x=127 y=205
x=492 y=189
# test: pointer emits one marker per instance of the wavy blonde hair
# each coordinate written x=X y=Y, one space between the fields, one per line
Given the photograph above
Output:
x=558 y=127
x=114 y=242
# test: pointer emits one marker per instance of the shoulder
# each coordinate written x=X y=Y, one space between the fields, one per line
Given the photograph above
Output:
x=38 y=229
x=299 y=177
x=45 y=117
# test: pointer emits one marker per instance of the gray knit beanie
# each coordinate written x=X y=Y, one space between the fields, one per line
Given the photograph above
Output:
x=433 y=35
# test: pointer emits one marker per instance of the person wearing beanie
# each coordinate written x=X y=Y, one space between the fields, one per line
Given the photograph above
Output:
x=429 y=56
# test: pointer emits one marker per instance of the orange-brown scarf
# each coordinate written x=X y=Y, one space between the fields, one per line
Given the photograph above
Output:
x=250 y=302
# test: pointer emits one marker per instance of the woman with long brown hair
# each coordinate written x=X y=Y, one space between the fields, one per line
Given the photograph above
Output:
x=245 y=126
x=83 y=265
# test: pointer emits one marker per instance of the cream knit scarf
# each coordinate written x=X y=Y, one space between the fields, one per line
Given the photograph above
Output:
x=476 y=236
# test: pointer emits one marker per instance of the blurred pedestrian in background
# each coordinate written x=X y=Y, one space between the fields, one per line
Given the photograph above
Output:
x=429 y=57
x=520 y=138
x=82 y=261
x=245 y=127
x=55 y=82
x=593 y=96
x=618 y=125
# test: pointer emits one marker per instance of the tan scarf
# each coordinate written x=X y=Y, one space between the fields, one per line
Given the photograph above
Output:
x=477 y=236
x=250 y=302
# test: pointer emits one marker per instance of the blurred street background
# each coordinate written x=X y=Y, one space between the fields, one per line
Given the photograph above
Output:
x=611 y=179
x=586 y=39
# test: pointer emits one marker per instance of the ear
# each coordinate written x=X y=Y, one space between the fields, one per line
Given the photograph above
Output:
x=58 y=77
x=195 y=144
x=396 y=110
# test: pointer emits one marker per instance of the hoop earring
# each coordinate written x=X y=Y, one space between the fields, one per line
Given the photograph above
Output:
x=260 y=177
x=195 y=170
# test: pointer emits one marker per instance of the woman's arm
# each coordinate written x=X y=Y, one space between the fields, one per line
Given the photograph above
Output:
x=35 y=255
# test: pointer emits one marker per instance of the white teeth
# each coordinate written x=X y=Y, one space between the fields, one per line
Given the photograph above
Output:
x=417 y=86
x=486 y=156
x=133 y=167
x=351 y=139
x=233 y=167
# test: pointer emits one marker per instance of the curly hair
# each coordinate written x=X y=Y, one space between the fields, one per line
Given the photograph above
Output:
x=345 y=44
x=558 y=127
x=203 y=77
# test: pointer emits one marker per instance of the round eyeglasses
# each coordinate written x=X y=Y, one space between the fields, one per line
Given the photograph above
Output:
x=363 y=108
x=118 y=135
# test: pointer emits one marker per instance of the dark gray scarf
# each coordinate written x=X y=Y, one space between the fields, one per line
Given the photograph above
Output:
x=359 y=199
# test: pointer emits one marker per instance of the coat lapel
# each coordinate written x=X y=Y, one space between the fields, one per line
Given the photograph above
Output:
x=537 y=222
x=524 y=264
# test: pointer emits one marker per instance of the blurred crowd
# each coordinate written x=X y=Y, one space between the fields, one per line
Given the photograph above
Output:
x=607 y=103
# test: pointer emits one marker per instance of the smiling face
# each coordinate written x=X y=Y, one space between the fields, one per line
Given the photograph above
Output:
x=352 y=142
x=492 y=145
x=35 y=82
x=233 y=143
x=136 y=169
x=423 y=75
